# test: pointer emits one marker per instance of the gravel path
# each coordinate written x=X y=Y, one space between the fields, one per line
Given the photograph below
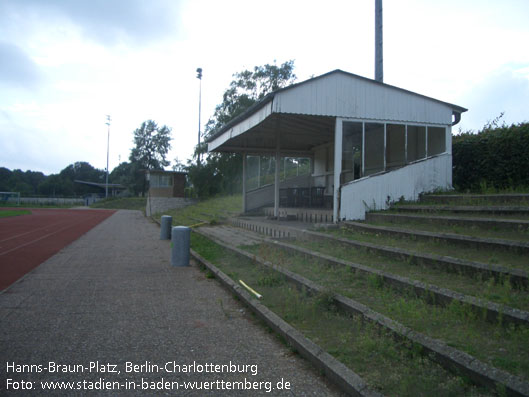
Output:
x=111 y=300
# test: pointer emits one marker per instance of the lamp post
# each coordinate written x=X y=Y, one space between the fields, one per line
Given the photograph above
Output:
x=199 y=77
x=108 y=145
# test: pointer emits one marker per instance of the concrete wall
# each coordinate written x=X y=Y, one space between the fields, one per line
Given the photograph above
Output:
x=48 y=200
x=371 y=193
x=160 y=204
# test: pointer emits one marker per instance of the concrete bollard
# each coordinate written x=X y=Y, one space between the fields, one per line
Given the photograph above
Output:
x=180 y=239
x=165 y=227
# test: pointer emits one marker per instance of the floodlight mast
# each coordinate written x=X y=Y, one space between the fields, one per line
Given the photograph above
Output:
x=108 y=145
x=199 y=77
x=379 y=58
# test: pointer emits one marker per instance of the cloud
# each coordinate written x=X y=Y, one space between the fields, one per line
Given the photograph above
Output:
x=505 y=90
x=104 y=21
x=17 y=68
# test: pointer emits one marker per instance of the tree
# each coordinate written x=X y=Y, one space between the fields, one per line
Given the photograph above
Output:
x=222 y=171
x=151 y=146
x=83 y=171
x=247 y=88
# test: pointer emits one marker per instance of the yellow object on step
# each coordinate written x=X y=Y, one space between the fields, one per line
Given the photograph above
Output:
x=258 y=295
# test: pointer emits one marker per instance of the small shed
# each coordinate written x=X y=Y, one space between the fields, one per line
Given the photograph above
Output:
x=369 y=143
x=166 y=191
x=166 y=183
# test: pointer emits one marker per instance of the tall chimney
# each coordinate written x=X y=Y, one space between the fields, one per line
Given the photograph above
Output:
x=379 y=65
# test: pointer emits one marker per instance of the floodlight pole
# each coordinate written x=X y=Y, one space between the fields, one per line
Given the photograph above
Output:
x=108 y=145
x=379 y=57
x=199 y=77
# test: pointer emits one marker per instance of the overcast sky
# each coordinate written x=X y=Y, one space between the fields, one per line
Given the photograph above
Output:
x=66 y=64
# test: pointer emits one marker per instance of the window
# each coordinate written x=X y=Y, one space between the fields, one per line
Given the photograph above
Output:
x=436 y=140
x=395 y=146
x=351 y=151
x=252 y=172
x=158 y=180
x=416 y=143
x=374 y=148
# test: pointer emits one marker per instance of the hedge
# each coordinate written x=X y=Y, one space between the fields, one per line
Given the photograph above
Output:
x=494 y=157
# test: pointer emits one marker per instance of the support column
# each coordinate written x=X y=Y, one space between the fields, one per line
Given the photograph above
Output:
x=259 y=171
x=244 y=182
x=337 y=168
x=276 y=178
x=276 y=182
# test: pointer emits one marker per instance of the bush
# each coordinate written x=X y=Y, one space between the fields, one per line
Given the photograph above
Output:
x=493 y=158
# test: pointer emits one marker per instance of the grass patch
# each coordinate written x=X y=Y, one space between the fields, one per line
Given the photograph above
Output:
x=37 y=205
x=212 y=210
x=389 y=366
x=125 y=203
x=457 y=324
x=8 y=213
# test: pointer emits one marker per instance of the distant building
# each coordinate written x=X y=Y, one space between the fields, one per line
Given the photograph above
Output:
x=166 y=183
x=166 y=191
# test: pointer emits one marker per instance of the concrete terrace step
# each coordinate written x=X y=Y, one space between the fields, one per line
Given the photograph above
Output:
x=518 y=278
x=468 y=209
x=468 y=241
x=485 y=223
x=431 y=293
x=335 y=370
x=465 y=198
x=445 y=355
x=232 y=236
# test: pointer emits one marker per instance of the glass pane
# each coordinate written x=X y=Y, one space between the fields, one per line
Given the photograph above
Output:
x=374 y=150
x=436 y=140
x=395 y=146
x=252 y=172
x=416 y=142
x=351 y=151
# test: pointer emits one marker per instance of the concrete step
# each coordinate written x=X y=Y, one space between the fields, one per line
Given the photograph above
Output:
x=431 y=293
x=462 y=240
x=438 y=351
x=515 y=198
x=465 y=209
x=485 y=223
x=335 y=370
x=518 y=278
x=235 y=237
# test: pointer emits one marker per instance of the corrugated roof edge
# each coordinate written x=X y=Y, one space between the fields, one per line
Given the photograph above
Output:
x=254 y=108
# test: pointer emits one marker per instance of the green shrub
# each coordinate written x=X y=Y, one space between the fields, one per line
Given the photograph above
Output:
x=493 y=159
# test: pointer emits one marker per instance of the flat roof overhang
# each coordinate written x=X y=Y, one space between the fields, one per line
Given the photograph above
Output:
x=293 y=120
x=298 y=134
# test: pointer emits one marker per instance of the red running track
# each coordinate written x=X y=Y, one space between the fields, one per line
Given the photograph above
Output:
x=28 y=240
